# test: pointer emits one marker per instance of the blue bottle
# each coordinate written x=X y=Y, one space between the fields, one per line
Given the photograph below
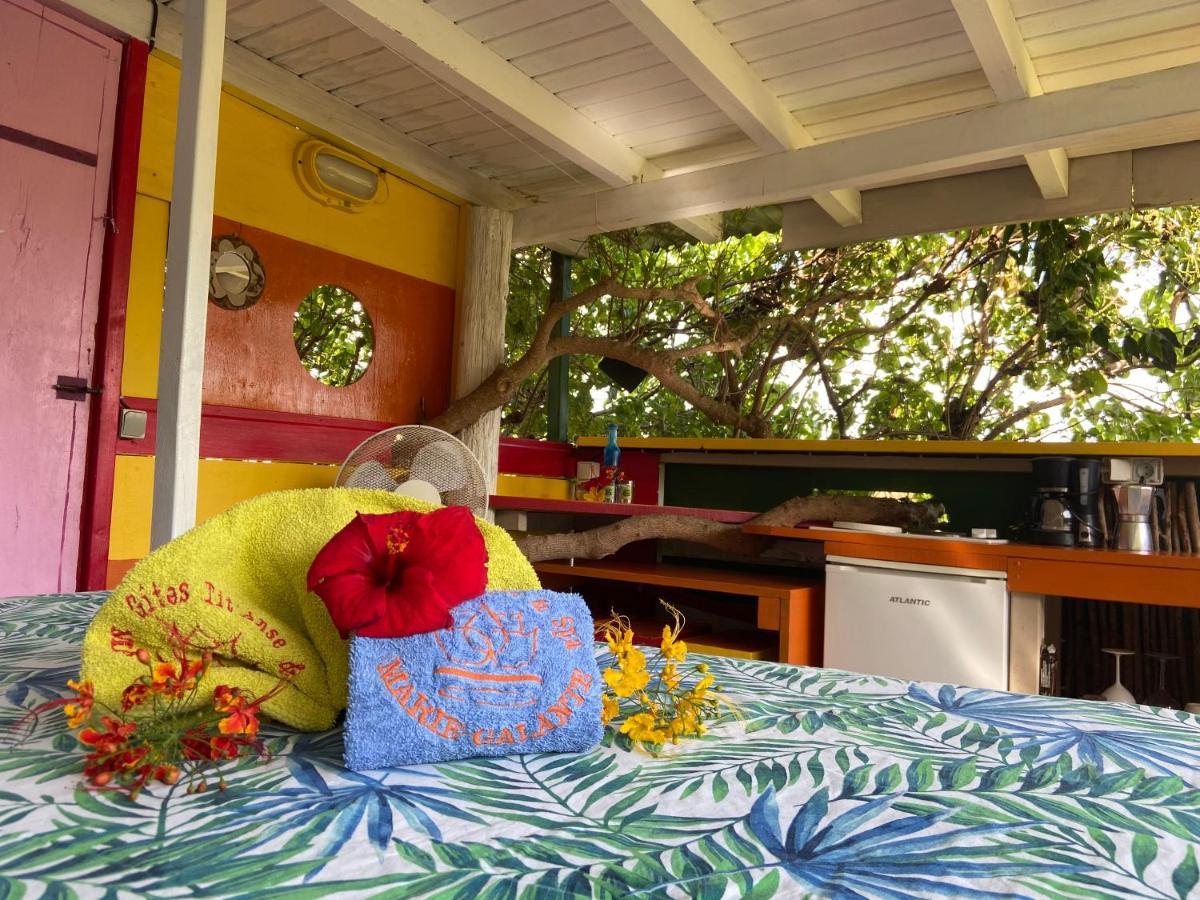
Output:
x=612 y=453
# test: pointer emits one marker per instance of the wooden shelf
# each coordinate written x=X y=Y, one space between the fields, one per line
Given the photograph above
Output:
x=1160 y=579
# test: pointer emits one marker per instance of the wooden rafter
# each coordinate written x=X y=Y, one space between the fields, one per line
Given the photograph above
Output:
x=1112 y=110
x=425 y=37
x=992 y=30
x=687 y=38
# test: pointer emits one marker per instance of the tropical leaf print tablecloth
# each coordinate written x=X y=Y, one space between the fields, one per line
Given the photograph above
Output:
x=829 y=785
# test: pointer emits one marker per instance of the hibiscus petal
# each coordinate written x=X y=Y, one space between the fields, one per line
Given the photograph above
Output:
x=448 y=543
x=415 y=608
x=354 y=600
x=350 y=550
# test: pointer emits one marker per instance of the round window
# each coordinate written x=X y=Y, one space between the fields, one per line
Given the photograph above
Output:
x=333 y=335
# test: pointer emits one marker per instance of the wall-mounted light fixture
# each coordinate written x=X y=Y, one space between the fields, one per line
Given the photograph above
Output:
x=336 y=178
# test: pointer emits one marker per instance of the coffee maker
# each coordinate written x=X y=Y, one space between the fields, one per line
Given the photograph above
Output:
x=1134 y=482
x=1051 y=520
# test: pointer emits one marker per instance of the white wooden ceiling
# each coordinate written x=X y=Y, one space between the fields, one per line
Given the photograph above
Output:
x=841 y=67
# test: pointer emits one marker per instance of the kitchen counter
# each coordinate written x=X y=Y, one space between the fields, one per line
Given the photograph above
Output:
x=1160 y=579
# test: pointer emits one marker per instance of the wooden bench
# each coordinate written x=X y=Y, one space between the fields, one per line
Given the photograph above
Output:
x=792 y=605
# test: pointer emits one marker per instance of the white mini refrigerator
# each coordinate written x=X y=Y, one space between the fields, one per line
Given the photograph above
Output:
x=916 y=622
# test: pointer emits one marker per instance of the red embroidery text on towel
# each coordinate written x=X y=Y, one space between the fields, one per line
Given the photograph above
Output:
x=416 y=704
x=554 y=716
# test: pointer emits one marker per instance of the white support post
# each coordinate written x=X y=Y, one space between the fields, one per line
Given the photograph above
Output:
x=481 y=311
x=185 y=302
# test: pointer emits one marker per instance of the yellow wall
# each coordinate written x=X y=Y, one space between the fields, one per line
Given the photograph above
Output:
x=223 y=482
x=416 y=230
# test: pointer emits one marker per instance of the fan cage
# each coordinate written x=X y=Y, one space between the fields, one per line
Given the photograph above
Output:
x=388 y=459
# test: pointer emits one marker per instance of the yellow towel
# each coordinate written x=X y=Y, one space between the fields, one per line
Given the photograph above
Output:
x=240 y=578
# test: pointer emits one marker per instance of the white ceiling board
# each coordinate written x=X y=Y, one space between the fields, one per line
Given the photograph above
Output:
x=438 y=114
x=403 y=78
x=693 y=141
x=508 y=18
x=591 y=77
x=868 y=105
x=717 y=10
x=784 y=39
x=454 y=10
x=390 y=106
x=559 y=31
x=1112 y=61
x=356 y=69
x=899 y=60
x=942 y=104
x=682 y=129
x=246 y=20
x=1114 y=32
x=451 y=126
x=639 y=101
x=883 y=81
x=740 y=22
x=299 y=32
x=672 y=118
x=1081 y=15
x=339 y=49
x=581 y=52
x=678 y=162
x=864 y=44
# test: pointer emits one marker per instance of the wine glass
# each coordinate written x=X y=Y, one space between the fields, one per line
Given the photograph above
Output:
x=1161 y=696
x=1117 y=692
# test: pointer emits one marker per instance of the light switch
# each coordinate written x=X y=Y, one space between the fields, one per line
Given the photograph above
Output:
x=133 y=424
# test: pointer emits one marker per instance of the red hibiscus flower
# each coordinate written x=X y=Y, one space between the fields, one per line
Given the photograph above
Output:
x=400 y=573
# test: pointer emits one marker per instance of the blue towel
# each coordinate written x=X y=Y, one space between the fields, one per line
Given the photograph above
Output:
x=516 y=673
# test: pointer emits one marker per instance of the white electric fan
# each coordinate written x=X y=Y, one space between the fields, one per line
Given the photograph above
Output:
x=417 y=461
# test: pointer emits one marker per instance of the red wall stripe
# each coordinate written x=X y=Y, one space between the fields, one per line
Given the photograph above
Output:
x=230 y=432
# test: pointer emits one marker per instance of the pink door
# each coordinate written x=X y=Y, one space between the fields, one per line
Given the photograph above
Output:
x=58 y=90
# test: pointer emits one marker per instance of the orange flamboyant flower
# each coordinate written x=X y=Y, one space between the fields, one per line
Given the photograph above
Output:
x=400 y=573
x=111 y=739
x=79 y=710
x=243 y=715
x=134 y=695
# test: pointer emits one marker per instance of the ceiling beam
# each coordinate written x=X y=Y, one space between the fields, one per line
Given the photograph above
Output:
x=1000 y=48
x=689 y=39
x=1113 y=110
x=262 y=82
x=433 y=42
x=974 y=200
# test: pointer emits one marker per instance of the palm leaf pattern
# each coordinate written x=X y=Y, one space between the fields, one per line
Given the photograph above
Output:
x=822 y=783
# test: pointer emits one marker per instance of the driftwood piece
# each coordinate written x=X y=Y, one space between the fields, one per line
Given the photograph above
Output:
x=608 y=539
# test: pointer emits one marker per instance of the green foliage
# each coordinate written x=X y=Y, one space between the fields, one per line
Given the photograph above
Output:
x=1070 y=329
x=333 y=335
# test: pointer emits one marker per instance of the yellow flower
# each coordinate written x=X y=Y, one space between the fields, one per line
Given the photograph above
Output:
x=701 y=688
x=672 y=647
x=670 y=676
x=610 y=708
x=643 y=727
x=626 y=682
x=620 y=640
